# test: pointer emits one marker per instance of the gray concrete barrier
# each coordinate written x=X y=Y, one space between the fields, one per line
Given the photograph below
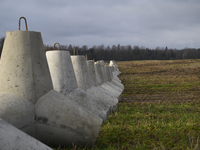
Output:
x=63 y=122
x=99 y=92
x=100 y=81
x=84 y=81
x=106 y=85
x=12 y=138
x=64 y=81
x=113 y=81
x=27 y=95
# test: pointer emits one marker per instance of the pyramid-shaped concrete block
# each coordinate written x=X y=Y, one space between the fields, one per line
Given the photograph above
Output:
x=64 y=81
x=84 y=81
x=102 y=79
x=99 y=92
x=26 y=83
x=24 y=70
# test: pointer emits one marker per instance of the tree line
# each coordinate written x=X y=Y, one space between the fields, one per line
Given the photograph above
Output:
x=126 y=53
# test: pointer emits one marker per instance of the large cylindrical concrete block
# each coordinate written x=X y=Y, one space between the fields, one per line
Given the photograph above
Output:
x=24 y=70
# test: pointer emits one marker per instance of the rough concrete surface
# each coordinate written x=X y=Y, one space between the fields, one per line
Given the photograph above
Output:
x=24 y=70
x=63 y=122
x=64 y=81
x=12 y=138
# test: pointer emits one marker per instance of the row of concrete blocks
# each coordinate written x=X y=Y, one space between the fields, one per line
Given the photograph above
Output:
x=53 y=97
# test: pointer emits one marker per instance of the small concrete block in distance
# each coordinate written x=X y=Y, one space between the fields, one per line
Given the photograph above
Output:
x=99 y=92
x=63 y=122
x=84 y=80
x=12 y=138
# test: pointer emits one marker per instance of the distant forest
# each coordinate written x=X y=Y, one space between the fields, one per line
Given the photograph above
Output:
x=126 y=53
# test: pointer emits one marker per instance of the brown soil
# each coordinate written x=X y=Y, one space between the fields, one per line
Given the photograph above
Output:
x=141 y=76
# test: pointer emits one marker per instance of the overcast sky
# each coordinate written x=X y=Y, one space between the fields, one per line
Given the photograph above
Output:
x=148 y=23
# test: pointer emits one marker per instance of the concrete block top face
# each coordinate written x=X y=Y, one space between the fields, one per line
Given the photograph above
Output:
x=16 y=110
x=91 y=69
x=99 y=73
x=12 y=138
x=62 y=72
x=81 y=72
x=24 y=69
x=57 y=111
x=113 y=63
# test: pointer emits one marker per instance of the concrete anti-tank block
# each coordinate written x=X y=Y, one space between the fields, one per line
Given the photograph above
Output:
x=13 y=139
x=63 y=122
x=100 y=72
x=24 y=70
x=100 y=81
x=99 y=92
x=16 y=110
x=61 y=71
x=25 y=73
x=106 y=77
x=84 y=81
x=64 y=81
x=109 y=75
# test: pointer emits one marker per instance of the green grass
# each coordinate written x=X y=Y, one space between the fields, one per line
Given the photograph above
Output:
x=151 y=126
x=159 y=108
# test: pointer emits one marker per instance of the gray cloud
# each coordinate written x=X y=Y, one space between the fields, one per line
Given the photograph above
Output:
x=171 y=23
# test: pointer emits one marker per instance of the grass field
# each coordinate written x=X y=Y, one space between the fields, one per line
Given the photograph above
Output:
x=159 y=108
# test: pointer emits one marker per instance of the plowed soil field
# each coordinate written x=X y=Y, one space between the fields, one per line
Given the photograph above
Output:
x=158 y=81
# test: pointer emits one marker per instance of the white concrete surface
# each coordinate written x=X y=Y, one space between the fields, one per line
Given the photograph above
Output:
x=16 y=110
x=12 y=138
x=24 y=70
x=98 y=91
x=63 y=122
x=100 y=81
x=80 y=69
x=113 y=63
x=61 y=70
x=106 y=84
x=113 y=81
x=64 y=81
x=84 y=81
x=26 y=82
